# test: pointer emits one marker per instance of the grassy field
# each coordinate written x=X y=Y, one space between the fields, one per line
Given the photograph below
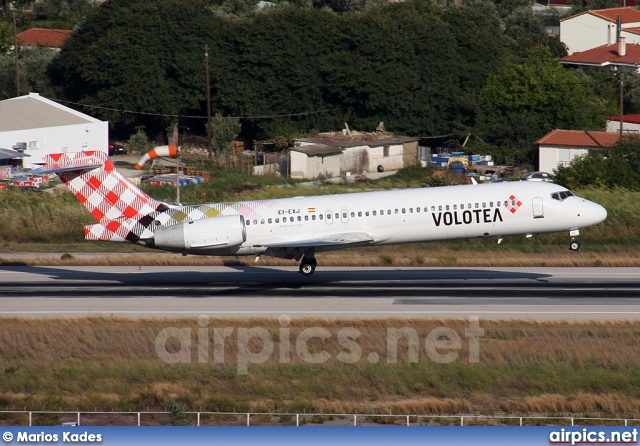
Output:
x=523 y=367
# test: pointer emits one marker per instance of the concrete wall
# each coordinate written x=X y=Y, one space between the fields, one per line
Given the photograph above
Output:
x=303 y=166
x=394 y=161
x=47 y=140
x=553 y=157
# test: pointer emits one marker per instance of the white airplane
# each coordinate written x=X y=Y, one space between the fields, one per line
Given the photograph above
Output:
x=298 y=228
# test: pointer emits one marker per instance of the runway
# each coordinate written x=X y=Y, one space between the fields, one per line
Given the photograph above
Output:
x=169 y=292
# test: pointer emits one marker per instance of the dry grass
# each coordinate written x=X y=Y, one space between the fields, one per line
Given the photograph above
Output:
x=111 y=363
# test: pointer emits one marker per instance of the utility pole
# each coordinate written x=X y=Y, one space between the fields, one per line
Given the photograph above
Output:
x=15 y=54
x=621 y=96
x=206 y=62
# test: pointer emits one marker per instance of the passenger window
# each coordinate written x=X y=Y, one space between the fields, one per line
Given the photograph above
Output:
x=353 y=214
x=396 y=211
x=248 y=222
x=388 y=211
x=411 y=210
x=255 y=222
x=313 y=217
x=477 y=205
x=491 y=204
x=269 y=221
x=320 y=216
x=498 y=203
x=468 y=205
x=374 y=213
x=299 y=218
x=344 y=215
x=417 y=209
x=447 y=207
x=433 y=209
x=367 y=213
x=462 y=206
x=404 y=211
x=455 y=207
x=262 y=221
x=359 y=213
x=440 y=208
x=306 y=218
x=337 y=215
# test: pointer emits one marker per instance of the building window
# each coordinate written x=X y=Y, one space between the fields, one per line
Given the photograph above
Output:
x=385 y=151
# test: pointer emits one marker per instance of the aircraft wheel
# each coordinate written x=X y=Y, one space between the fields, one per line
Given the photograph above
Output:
x=574 y=246
x=308 y=267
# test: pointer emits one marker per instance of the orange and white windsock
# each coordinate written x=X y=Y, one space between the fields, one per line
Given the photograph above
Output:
x=170 y=150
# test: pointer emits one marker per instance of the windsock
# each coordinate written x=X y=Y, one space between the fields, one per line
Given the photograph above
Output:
x=170 y=150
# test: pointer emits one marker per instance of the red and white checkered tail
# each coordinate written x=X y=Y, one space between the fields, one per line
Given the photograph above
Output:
x=123 y=211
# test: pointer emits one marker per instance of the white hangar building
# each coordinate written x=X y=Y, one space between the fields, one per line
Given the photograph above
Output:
x=37 y=126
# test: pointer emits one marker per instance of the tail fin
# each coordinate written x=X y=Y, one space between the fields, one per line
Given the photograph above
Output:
x=122 y=210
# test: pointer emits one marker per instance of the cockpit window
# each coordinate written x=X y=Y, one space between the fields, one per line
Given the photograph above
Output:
x=561 y=196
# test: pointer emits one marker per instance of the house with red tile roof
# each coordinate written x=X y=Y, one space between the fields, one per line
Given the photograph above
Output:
x=52 y=38
x=617 y=56
x=594 y=28
x=560 y=147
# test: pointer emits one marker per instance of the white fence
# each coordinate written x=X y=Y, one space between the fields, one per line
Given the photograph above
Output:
x=298 y=419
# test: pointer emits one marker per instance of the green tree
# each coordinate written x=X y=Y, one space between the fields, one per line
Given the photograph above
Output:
x=145 y=56
x=223 y=131
x=33 y=65
x=523 y=101
x=618 y=166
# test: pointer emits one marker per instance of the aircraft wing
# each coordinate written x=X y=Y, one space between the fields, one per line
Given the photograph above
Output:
x=348 y=238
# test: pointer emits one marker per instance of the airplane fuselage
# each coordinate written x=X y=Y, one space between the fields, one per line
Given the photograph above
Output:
x=402 y=216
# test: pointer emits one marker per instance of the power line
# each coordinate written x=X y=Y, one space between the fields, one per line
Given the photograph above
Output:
x=193 y=116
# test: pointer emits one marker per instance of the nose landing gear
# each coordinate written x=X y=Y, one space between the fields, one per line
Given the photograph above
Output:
x=574 y=245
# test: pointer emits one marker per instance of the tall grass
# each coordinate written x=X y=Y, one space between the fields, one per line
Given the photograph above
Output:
x=111 y=363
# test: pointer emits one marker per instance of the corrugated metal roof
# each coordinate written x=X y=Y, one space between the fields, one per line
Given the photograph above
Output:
x=317 y=150
x=631 y=119
x=344 y=142
x=33 y=111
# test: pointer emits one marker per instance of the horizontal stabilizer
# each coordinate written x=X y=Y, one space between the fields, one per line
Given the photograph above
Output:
x=82 y=161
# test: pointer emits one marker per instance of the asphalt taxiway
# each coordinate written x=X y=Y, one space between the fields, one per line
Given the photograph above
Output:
x=168 y=292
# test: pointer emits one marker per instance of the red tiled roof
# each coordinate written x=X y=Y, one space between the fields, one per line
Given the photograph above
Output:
x=631 y=119
x=53 y=38
x=629 y=15
x=605 y=54
x=579 y=138
x=633 y=30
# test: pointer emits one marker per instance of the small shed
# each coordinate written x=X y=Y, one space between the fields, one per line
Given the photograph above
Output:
x=560 y=147
x=314 y=160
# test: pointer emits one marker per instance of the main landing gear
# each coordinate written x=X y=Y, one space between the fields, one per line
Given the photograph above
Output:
x=308 y=265
x=574 y=245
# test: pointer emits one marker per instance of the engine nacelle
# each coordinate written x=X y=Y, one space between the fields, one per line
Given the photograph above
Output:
x=213 y=232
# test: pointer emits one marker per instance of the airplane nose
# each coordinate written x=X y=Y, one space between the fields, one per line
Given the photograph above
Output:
x=597 y=214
